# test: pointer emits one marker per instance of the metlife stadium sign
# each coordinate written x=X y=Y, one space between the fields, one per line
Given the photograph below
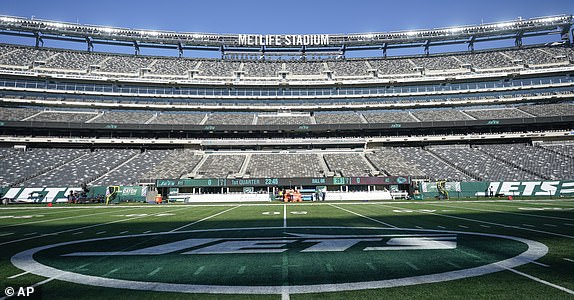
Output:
x=284 y=40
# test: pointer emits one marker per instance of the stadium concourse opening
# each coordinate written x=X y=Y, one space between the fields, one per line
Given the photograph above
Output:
x=286 y=117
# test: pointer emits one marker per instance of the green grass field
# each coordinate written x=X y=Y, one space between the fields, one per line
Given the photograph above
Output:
x=368 y=250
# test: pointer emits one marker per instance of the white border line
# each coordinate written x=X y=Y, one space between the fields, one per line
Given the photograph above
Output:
x=206 y=218
x=25 y=261
x=368 y=218
x=487 y=222
x=542 y=281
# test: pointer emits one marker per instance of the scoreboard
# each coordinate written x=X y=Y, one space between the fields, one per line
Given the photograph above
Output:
x=248 y=182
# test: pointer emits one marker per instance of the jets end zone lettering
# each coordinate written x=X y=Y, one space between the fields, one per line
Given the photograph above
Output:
x=47 y=194
x=530 y=188
x=60 y=194
x=509 y=188
x=253 y=260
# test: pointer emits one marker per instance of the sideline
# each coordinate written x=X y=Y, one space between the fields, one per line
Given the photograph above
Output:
x=84 y=227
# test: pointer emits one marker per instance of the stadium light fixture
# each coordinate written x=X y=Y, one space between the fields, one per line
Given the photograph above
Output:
x=412 y=33
x=108 y=30
x=55 y=24
x=8 y=19
x=455 y=29
x=550 y=19
x=505 y=25
x=369 y=36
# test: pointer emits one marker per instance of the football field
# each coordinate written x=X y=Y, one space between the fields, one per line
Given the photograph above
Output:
x=363 y=250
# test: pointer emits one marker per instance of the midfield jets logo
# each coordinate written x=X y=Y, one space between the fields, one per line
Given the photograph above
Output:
x=311 y=243
x=277 y=260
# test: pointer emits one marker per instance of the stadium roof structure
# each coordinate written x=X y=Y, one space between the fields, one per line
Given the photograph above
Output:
x=286 y=43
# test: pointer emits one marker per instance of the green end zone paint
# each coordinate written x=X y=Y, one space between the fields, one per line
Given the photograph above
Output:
x=250 y=260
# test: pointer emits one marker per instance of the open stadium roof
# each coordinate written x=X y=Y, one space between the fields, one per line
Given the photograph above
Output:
x=99 y=34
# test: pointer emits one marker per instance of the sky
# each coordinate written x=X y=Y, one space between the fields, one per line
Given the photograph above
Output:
x=282 y=17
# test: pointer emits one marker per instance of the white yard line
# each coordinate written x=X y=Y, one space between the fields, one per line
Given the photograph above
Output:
x=18 y=275
x=285 y=293
x=43 y=281
x=489 y=223
x=540 y=264
x=63 y=218
x=365 y=217
x=206 y=218
x=542 y=281
x=284 y=216
x=412 y=266
x=110 y=272
x=503 y=212
x=154 y=271
x=85 y=227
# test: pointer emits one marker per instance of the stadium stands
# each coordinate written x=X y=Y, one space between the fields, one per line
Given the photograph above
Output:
x=352 y=164
x=176 y=164
x=16 y=114
x=390 y=162
x=389 y=117
x=174 y=66
x=440 y=115
x=305 y=68
x=123 y=117
x=321 y=117
x=217 y=68
x=29 y=164
x=535 y=160
x=566 y=150
x=507 y=113
x=41 y=167
x=481 y=165
x=338 y=94
x=284 y=166
x=432 y=166
x=55 y=59
x=348 y=67
x=338 y=118
x=262 y=69
x=178 y=118
x=131 y=171
x=82 y=170
x=230 y=119
x=283 y=120
x=63 y=116
x=548 y=110
x=221 y=166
